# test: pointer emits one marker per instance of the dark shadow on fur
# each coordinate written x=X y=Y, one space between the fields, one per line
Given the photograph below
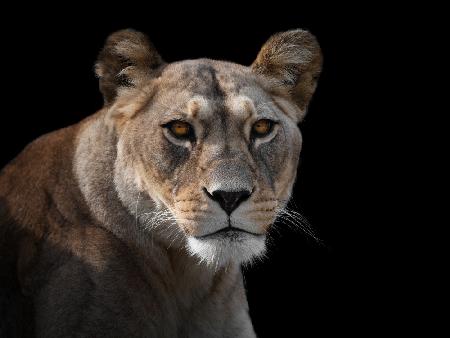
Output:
x=16 y=310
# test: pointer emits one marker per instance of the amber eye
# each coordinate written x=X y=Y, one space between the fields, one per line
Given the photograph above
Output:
x=180 y=129
x=262 y=128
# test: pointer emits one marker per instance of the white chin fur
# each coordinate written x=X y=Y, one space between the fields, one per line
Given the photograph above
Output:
x=217 y=251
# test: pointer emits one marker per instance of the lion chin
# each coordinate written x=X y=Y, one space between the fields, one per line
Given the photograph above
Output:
x=224 y=247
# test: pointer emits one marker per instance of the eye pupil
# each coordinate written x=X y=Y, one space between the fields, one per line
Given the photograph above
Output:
x=262 y=128
x=180 y=129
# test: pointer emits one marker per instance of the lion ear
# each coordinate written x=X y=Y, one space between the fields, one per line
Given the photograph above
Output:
x=292 y=62
x=127 y=59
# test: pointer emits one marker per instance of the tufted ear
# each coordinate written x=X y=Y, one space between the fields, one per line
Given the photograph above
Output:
x=127 y=59
x=292 y=62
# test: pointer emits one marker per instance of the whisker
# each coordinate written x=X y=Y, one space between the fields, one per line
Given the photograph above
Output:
x=296 y=221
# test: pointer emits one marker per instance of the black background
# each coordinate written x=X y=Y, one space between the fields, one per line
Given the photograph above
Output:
x=302 y=287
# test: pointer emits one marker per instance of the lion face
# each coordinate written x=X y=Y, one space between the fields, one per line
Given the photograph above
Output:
x=215 y=146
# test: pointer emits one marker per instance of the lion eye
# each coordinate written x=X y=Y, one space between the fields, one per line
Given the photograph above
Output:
x=262 y=128
x=180 y=129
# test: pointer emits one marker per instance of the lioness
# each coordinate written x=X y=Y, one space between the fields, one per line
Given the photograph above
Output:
x=135 y=221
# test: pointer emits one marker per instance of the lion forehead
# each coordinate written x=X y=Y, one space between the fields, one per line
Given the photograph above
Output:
x=208 y=78
x=204 y=88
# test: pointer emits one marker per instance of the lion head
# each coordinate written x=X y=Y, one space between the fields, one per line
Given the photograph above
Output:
x=213 y=145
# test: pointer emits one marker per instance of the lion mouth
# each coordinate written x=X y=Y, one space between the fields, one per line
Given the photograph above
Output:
x=228 y=231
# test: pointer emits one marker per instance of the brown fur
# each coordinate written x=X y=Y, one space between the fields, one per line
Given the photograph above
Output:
x=79 y=256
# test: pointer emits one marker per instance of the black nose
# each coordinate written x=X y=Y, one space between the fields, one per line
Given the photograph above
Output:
x=229 y=200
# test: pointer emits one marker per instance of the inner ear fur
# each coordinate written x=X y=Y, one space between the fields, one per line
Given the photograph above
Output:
x=292 y=62
x=127 y=59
